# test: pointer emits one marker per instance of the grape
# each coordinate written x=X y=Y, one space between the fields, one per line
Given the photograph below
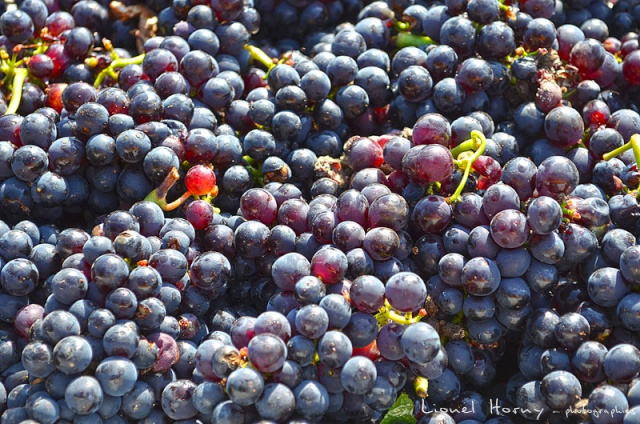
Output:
x=608 y=398
x=426 y=164
x=138 y=403
x=277 y=402
x=420 y=343
x=587 y=55
x=544 y=215
x=206 y=396
x=588 y=361
x=72 y=354
x=480 y=276
x=116 y=366
x=358 y=375
x=405 y=291
x=529 y=398
x=17 y=26
x=509 y=228
x=621 y=363
x=432 y=214
x=556 y=176
x=362 y=329
x=121 y=340
x=579 y=243
x=176 y=399
x=572 y=330
x=606 y=286
x=38 y=359
x=84 y=395
x=267 y=352
x=311 y=399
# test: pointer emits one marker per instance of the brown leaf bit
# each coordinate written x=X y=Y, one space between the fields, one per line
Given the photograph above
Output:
x=549 y=61
x=485 y=346
x=434 y=323
x=580 y=409
x=604 y=336
x=142 y=312
x=280 y=176
x=326 y=166
x=147 y=20
x=431 y=307
x=233 y=360
x=407 y=133
x=174 y=243
x=97 y=230
x=447 y=329
x=452 y=331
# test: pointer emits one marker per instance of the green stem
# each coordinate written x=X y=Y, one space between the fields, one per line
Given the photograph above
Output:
x=481 y=142
x=173 y=205
x=42 y=48
x=463 y=147
x=19 y=76
x=5 y=68
x=162 y=201
x=421 y=386
x=117 y=63
x=458 y=319
x=255 y=168
x=620 y=150
x=635 y=143
x=567 y=213
x=569 y=93
x=405 y=39
x=333 y=93
x=113 y=74
x=401 y=26
x=159 y=195
x=387 y=314
x=251 y=161
x=259 y=55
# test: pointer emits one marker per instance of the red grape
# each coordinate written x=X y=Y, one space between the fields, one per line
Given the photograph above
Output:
x=26 y=317
x=200 y=180
x=199 y=213
x=428 y=163
x=259 y=204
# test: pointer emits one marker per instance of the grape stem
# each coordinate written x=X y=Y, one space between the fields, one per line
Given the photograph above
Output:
x=406 y=39
x=387 y=314
x=19 y=76
x=400 y=26
x=259 y=55
x=634 y=143
x=478 y=142
x=421 y=386
x=508 y=11
x=159 y=195
x=255 y=168
x=568 y=214
x=118 y=62
x=470 y=144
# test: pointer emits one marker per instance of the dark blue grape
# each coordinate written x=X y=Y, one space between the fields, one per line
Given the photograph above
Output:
x=312 y=399
x=84 y=395
x=244 y=386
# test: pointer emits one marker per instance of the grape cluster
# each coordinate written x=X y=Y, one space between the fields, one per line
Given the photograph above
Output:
x=299 y=211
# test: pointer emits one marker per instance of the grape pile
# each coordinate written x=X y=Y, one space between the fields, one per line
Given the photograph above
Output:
x=319 y=211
